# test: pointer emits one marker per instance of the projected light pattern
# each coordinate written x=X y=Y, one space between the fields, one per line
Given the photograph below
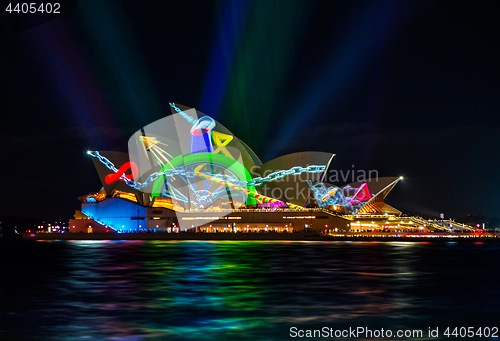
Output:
x=178 y=174
x=250 y=193
x=183 y=114
x=226 y=179
x=110 y=213
x=198 y=191
x=189 y=163
x=201 y=140
x=335 y=196
x=362 y=193
x=121 y=173
x=94 y=217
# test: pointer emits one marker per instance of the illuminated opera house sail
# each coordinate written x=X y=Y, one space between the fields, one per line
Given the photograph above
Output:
x=188 y=172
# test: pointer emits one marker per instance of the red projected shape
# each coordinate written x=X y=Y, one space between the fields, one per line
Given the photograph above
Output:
x=110 y=178
x=361 y=194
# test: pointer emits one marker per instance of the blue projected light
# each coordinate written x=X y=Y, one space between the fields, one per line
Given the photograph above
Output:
x=352 y=199
x=201 y=141
x=115 y=212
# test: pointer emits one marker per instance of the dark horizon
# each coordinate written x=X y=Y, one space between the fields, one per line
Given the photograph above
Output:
x=405 y=88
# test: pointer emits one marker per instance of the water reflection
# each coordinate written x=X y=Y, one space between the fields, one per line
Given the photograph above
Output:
x=159 y=289
x=147 y=290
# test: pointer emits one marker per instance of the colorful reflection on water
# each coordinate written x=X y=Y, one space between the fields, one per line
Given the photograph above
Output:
x=161 y=290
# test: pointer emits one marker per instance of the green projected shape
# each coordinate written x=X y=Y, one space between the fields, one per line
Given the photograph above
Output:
x=214 y=164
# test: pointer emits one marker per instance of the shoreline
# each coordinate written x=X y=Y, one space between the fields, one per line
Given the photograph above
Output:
x=406 y=237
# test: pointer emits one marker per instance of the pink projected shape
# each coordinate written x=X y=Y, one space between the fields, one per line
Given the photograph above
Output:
x=361 y=194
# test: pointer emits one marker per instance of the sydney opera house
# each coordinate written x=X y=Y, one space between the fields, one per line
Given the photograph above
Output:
x=187 y=172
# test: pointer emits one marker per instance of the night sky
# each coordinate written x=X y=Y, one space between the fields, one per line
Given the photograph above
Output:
x=406 y=88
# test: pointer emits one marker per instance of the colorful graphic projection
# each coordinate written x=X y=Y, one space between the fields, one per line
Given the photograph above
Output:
x=340 y=197
x=201 y=141
x=221 y=141
x=120 y=174
x=179 y=177
x=361 y=194
x=250 y=193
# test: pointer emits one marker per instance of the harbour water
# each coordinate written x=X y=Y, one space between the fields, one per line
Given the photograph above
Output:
x=238 y=290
